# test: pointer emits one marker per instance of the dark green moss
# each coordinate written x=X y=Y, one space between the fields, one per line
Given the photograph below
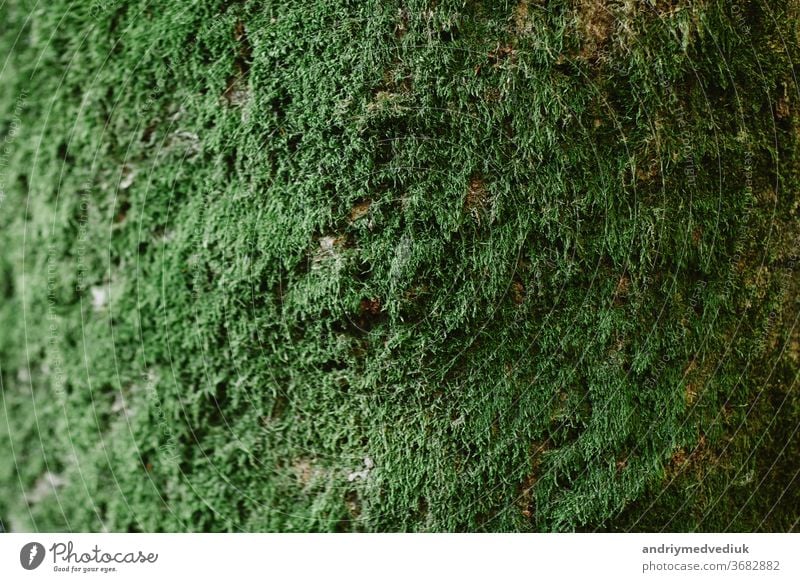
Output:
x=399 y=266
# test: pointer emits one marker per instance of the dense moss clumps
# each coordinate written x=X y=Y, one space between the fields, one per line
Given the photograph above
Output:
x=384 y=265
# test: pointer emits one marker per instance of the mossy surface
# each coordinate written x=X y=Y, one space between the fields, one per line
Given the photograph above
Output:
x=383 y=265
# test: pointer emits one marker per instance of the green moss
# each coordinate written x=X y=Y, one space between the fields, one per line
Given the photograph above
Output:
x=536 y=261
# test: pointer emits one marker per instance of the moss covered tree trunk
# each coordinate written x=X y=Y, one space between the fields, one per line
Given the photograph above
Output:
x=383 y=265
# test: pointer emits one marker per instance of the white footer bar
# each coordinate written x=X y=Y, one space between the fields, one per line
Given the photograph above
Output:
x=349 y=557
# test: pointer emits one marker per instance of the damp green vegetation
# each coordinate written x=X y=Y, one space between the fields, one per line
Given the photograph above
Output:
x=377 y=265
